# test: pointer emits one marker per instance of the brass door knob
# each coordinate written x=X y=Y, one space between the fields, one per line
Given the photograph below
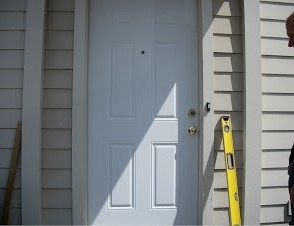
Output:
x=192 y=130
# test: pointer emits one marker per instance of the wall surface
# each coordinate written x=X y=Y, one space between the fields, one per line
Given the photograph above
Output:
x=57 y=107
x=277 y=107
x=228 y=94
x=12 y=39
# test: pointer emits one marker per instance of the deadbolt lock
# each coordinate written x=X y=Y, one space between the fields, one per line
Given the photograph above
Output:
x=192 y=130
x=192 y=112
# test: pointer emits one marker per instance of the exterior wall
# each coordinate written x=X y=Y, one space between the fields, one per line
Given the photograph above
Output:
x=277 y=107
x=57 y=108
x=12 y=39
x=228 y=94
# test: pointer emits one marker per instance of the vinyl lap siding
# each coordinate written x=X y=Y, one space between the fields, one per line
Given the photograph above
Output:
x=12 y=41
x=57 y=106
x=278 y=109
x=228 y=94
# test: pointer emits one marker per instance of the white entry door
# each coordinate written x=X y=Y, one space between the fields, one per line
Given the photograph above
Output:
x=142 y=161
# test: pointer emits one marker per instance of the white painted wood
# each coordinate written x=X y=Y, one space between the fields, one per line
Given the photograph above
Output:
x=56 y=159
x=15 y=201
x=79 y=114
x=60 y=5
x=5 y=158
x=275 y=159
x=60 y=21
x=56 y=198
x=274 y=196
x=56 y=178
x=274 y=29
x=7 y=138
x=231 y=101
x=277 y=84
x=228 y=43
x=237 y=139
x=221 y=216
x=277 y=140
x=252 y=114
x=144 y=109
x=275 y=11
x=227 y=25
x=220 y=160
x=58 y=59
x=9 y=118
x=227 y=8
x=10 y=98
x=281 y=1
x=221 y=198
x=278 y=121
x=32 y=116
x=57 y=98
x=11 y=78
x=57 y=118
x=58 y=79
x=4 y=177
x=275 y=177
x=277 y=65
x=220 y=181
x=236 y=117
x=275 y=47
x=206 y=138
x=59 y=40
x=228 y=62
x=13 y=5
x=15 y=216
x=11 y=59
x=57 y=139
x=272 y=214
x=12 y=39
x=278 y=102
x=11 y=21
x=57 y=216
x=228 y=82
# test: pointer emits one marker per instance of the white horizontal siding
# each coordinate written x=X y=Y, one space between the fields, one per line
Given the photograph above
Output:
x=11 y=78
x=11 y=59
x=232 y=101
x=56 y=159
x=58 y=79
x=277 y=140
x=227 y=25
x=278 y=102
x=12 y=20
x=228 y=82
x=62 y=21
x=57 y=216
x=275 y=11
x=9 y=118
x=14 y=216
x=228 y=62
x=280 y=159
x=12 y=39
x=275 y=47
x=278 y=121
x=277 y=84
x=57 y=113
x=227 y=44
x=277 y=65
x=226 y=8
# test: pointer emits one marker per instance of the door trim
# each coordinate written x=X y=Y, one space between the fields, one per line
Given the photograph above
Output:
x=80 y=111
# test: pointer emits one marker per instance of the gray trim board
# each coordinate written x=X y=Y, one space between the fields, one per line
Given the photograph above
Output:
x=252 y=145
x=32 y=113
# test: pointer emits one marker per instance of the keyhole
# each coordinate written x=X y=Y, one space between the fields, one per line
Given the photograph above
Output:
x=143 y=52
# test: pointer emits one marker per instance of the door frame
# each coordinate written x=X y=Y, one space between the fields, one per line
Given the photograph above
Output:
x=80 y=112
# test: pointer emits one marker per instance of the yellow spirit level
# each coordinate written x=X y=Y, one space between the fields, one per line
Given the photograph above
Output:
x=231 y=172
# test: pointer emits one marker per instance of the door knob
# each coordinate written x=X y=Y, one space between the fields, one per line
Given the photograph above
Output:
x=192 y=130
